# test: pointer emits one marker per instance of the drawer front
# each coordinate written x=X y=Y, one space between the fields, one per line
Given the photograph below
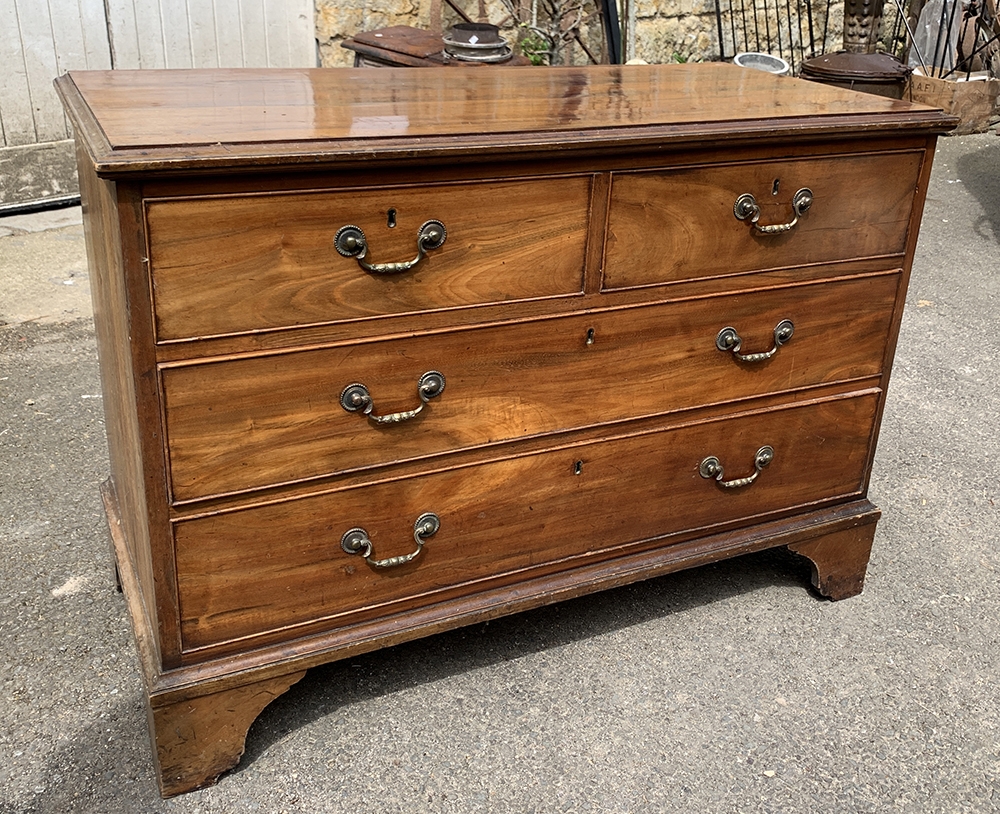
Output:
x=242 y=424
x=680 y=224
x=226 y=265
x=271 y=568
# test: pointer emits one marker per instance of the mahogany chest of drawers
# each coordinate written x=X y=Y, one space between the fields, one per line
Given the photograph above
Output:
x=387 y=353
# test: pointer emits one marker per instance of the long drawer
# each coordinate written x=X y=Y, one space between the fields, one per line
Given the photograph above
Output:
x=671 y=225
x=226 y=265
x=241 y=424
x=250 y=572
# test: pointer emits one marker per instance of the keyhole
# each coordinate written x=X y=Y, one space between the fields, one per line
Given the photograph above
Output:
x=590 y=336
x=775 y=185
x=391 y=219
x=578 y=468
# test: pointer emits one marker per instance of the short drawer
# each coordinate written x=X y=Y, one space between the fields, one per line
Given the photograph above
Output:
x=280 y=569
x=233 y=264
x=241 y=424
x=672 y=225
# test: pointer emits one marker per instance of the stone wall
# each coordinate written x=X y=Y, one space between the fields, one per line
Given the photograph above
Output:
x=665 y=30
x=676 y=31
x=336 y=20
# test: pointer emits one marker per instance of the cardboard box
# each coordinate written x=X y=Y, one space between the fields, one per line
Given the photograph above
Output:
x=973 y=100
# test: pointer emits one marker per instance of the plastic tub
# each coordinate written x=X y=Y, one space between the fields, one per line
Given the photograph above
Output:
x=762 y=62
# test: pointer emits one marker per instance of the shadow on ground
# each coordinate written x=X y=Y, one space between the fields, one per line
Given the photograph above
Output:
x=116 y=753
x=383 y=672
x=978 y=173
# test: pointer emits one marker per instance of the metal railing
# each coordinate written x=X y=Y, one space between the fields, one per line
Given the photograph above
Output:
x=943 y=38
x=795 y=30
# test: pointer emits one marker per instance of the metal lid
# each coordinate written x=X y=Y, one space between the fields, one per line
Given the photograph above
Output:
x=477 y=42
x=476 y=33
x=856 y=67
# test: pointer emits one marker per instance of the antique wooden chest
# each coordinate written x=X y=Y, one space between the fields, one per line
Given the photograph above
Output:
x=386 y=353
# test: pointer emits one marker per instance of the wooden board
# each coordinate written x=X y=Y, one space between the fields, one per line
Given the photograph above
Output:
x=974 y=102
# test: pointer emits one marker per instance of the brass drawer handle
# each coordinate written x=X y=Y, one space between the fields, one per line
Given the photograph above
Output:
x=729 y=340
x=357 y=397
x=711 y=467
x=746 y=207
x=350 y=241
x=356 y=541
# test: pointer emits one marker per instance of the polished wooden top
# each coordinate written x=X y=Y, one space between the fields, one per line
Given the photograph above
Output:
x=241 y=115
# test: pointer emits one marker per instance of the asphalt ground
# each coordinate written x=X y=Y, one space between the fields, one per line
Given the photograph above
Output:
x=728 y=688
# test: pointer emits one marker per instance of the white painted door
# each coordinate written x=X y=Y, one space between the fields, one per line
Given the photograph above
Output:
x=212 y=33
x=41 y=39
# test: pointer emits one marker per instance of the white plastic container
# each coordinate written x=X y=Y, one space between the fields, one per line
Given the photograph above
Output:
x=762 y=62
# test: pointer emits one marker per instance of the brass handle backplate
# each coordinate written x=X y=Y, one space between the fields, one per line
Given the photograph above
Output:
x=356 y=541
x=350 y=241
x=729 y=340
x=747 y=208
x=711 y=468
x=356 y=397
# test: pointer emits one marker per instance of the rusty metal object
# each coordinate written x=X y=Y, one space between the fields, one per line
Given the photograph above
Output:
x=476 y=42
x=862 y=21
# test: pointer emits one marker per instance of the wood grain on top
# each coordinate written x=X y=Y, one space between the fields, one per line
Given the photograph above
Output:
x=207 y=112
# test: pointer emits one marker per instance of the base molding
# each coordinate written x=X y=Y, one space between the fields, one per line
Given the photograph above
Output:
x=839 y=560
x=196 y=740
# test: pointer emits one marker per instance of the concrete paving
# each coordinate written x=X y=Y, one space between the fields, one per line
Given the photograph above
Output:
x=729 y=688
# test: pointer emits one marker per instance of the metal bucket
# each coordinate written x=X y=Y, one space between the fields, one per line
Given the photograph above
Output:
x=878 y=74
x=476 y=42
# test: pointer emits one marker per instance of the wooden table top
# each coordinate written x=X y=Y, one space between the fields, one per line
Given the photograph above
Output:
x=140 y=119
